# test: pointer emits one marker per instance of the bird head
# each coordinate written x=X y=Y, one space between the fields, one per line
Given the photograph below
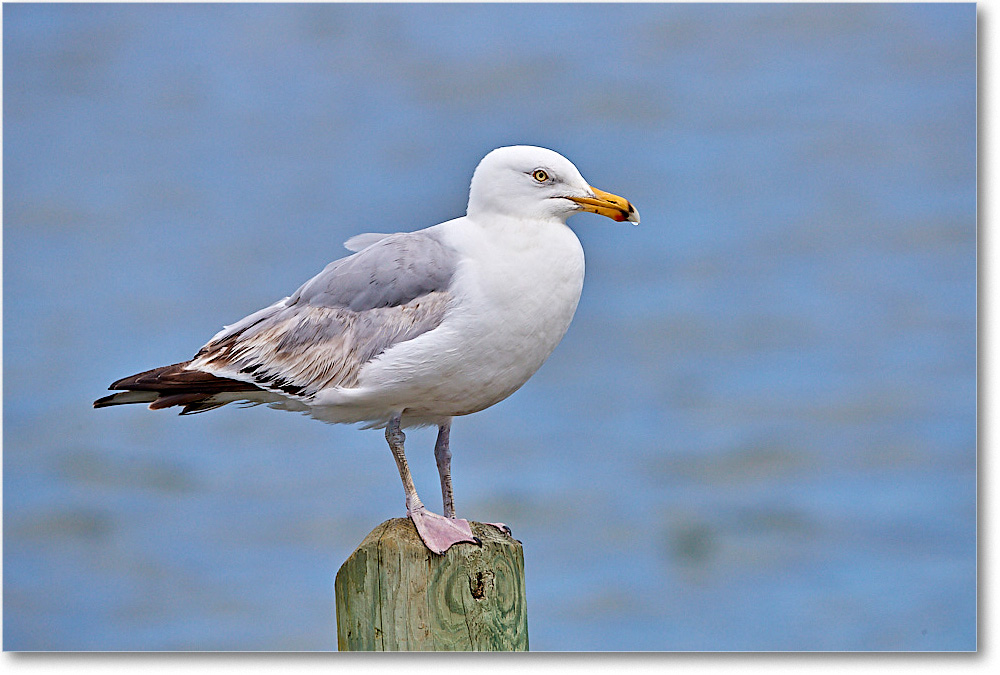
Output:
x=534 y=183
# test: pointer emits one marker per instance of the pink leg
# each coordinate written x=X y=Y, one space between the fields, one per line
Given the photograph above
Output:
x=442 y=453
x=437 y=532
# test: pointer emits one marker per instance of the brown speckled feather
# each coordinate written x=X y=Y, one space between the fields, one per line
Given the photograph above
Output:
x=303 y=349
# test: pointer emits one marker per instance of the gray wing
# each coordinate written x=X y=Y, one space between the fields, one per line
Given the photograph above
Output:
x=391 y=291
x=390 y=272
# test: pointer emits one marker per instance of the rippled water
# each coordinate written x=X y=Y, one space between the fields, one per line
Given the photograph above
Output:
x=759 y=432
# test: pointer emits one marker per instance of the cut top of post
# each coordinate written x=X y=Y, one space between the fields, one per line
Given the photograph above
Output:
x=395 y=595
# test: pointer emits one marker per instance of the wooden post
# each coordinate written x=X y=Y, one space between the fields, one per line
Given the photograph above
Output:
x=395 y=595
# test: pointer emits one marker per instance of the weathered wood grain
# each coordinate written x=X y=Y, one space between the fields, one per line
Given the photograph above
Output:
x=395 y=595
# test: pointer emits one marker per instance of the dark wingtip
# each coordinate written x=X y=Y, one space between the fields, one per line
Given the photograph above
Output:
x=104 y=402
x=172 y=386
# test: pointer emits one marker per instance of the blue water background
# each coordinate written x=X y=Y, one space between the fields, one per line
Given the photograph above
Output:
x=759 y=432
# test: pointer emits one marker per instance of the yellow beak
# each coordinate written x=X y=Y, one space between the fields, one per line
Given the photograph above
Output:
x=606 y=204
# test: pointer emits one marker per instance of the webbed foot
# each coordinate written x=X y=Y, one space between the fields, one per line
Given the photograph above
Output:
x=439 y=533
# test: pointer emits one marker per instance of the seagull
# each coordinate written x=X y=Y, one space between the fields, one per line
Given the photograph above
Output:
x=414 y=328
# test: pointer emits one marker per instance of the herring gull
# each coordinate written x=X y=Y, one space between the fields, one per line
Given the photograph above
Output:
x=414 y=328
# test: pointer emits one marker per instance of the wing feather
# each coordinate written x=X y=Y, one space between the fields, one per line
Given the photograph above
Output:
x=392 y=291
x=363 y=241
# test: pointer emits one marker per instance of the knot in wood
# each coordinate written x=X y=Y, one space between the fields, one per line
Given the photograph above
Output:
x=478 y=584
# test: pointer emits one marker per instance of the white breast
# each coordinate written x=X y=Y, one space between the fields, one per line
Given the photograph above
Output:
x=516 y=291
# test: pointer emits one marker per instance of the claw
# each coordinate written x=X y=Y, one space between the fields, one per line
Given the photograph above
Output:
x=502 y=527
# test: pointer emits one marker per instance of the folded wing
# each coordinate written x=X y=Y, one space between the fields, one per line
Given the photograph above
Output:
x=393 y=290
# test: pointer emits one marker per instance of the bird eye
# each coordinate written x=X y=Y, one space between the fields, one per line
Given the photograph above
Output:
x=540 y=175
